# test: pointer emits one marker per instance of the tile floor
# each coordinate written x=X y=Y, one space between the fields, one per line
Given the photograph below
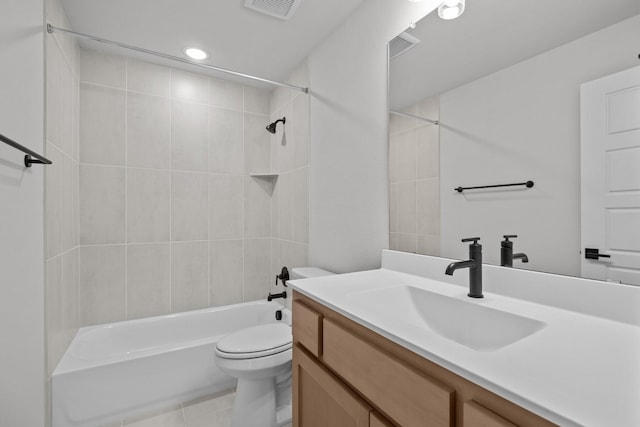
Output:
x=210 y=411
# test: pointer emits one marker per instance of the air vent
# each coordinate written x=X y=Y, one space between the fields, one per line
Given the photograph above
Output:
x=401 y=43
x=282 y=9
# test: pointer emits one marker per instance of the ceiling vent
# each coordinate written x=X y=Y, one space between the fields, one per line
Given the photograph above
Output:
x=282 y=9
x=401 y=43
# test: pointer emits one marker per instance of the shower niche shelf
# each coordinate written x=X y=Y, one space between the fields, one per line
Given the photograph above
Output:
x=271 y=176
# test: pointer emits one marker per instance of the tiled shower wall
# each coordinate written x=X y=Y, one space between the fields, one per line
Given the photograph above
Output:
x=414 y=178
x=290 y=158
x=170 y=218
x=61 y=189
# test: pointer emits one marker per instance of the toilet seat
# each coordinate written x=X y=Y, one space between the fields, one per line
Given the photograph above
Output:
x=255 y=342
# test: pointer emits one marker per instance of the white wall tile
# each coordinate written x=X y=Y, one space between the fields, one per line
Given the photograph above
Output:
x=257 y=147
x=407 y=242
x=70 y=295
x=428 y=206
x=283 y=140
x=148 y=205
x=300 y=210
x=189 y=206
x=428 y=152
x=55 y=63
x=102 y=68
x=69 y=196
x=148 y=131
x=148 y=78
x=414 y=170
x=256 y=100
x=67 y=123
x=148 y=280
x=301 y=130
x=189 y=136
x=53 y=201
x=226 y=94
x=257 y=207
x=189 y=276
x=407 y=207
x=285 y=207
x=226 y=272
x=393 y=208
x=281 y=256
x=429 y=244
x=226 y=206
x=102 y=204
x=227 y=141
x=406 y=167
x=102 y=274
x=257 y=269
x=54 y=314
x=189 y=86
x=102 y=128
x=393 y=157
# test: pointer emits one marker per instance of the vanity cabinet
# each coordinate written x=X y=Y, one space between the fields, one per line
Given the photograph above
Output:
x=343 y=369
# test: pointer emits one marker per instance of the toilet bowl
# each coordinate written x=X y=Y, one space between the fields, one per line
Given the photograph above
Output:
x=260 y=358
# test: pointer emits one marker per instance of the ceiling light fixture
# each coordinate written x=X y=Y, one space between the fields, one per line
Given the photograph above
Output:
x=451 y=9
x=195 y=53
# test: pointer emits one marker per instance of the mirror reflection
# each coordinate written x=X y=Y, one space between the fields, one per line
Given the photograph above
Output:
x=500 y=89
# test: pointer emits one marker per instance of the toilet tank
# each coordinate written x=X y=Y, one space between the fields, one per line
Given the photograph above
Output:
x=308 y=272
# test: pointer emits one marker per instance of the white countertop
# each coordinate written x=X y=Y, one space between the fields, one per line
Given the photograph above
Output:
x=580 y=369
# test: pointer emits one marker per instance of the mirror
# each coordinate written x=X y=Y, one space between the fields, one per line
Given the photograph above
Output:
x=503 y=80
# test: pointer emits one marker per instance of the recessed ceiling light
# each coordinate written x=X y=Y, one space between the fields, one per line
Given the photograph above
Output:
x=195 y=53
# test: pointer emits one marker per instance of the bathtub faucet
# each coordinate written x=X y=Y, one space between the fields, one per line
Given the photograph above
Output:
x=271 y=296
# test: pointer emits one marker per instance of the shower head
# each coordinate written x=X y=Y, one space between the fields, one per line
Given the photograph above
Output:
x=272 y=127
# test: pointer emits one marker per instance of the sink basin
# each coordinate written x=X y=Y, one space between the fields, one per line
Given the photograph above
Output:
x=466 y=322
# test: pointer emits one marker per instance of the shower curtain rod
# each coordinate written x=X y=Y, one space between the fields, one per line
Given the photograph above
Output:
x=51 y=29
x=398 y=113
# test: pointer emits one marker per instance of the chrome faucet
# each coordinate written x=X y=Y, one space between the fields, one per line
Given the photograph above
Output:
x=474 y=264
x=506 y=252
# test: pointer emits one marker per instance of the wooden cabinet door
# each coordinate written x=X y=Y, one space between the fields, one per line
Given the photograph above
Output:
x=475 y=415
x=377 y=420
x=320 y=399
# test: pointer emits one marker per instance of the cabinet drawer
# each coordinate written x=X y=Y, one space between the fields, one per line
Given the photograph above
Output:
x=406 y=395
x=475 y=415
x=307 y=328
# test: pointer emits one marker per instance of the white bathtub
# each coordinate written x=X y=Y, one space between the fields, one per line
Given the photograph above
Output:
x=116 y=370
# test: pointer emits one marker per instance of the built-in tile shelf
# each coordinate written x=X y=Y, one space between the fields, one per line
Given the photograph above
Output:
x=272 y=176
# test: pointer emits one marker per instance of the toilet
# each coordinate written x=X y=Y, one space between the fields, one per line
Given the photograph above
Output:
x=260 y=358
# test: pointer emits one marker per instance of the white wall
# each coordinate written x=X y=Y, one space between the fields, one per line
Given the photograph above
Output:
x=349 y=190
x=22 y=358
x=522 y=123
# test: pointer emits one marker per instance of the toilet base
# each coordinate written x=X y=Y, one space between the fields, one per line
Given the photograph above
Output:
x=255 y=404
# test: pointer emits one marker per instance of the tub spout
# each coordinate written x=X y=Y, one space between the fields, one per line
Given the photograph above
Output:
x=271 y=296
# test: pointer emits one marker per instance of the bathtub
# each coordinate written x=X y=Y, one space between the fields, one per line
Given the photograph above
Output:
x=117 y=370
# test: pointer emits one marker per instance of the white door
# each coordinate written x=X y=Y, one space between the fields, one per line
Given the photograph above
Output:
x=610 y=168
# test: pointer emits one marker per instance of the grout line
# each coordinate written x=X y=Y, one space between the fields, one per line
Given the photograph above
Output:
x=171 y=71
x=126 y=190
x=209 y=203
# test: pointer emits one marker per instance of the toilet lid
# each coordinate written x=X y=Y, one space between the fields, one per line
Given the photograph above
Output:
x=256 y=341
